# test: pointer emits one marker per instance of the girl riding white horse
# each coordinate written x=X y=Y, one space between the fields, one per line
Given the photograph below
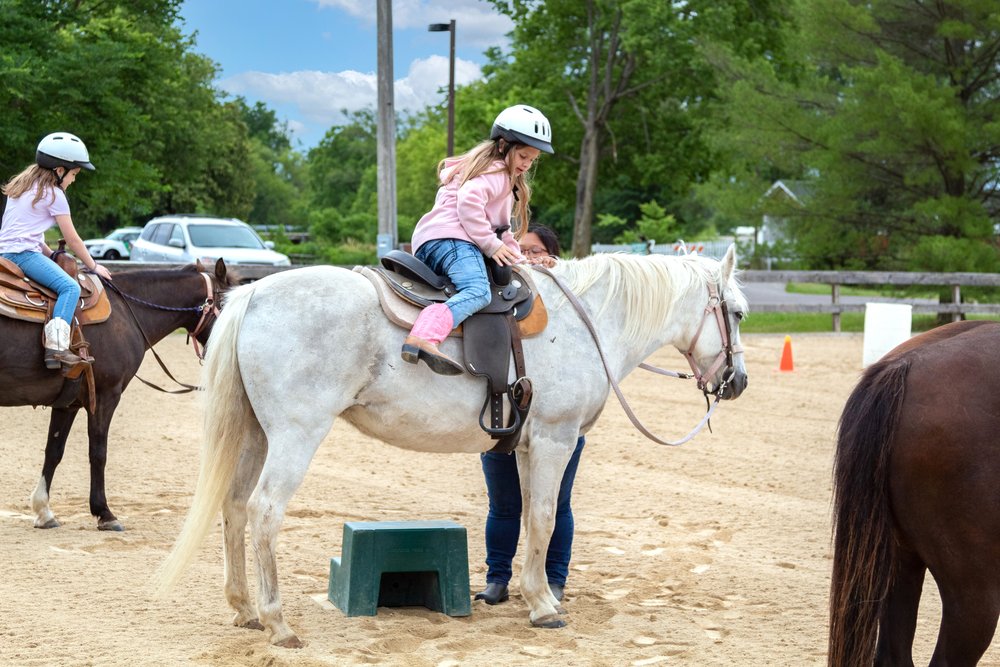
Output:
x=294 y=351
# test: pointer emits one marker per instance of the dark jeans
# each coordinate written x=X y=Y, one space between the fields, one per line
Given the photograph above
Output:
x=503 y=522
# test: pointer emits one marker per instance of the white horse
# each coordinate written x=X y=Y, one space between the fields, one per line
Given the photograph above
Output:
x=292 y=352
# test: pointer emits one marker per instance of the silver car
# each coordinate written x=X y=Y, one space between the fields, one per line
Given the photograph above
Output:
x=182 y=239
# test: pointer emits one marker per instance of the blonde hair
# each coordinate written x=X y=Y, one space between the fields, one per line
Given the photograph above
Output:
x=479 y=160
x=33 y=175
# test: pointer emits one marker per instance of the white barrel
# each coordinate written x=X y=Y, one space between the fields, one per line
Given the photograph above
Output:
x=886 y=326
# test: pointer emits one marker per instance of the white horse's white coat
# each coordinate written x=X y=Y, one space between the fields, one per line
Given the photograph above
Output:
x=294 y=351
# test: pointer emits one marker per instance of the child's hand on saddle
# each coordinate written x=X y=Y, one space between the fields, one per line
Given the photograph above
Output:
x=504 y=256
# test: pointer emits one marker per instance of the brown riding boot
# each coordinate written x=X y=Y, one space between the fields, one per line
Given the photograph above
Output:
x=432 y=326
x=57 y=352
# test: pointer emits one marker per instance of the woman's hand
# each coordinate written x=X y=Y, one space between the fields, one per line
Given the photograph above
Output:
x=548 y=261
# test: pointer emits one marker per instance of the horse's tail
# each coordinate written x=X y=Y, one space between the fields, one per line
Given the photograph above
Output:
x=863 y=554
x=227 y=416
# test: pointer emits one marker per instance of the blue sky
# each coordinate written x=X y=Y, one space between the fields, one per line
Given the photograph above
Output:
x=310 y=59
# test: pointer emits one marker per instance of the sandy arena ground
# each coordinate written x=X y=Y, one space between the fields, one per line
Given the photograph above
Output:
x=714 y=553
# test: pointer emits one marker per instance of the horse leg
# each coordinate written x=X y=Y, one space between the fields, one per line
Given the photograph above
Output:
x=234 y=521
x=59 y=426
x=969 y=609
x=541 y=472
x=898 y=615
x=98 y=424
x=288 y=456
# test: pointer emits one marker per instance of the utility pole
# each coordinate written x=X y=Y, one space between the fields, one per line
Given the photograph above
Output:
x=386 y=134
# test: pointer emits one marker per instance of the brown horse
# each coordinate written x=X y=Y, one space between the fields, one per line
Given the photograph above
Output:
x=917 y=488
x=146 y=306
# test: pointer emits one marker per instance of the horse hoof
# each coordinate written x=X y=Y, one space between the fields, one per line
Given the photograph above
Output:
x=550 y=621
x=289 y=642
x=51 y=523
x=114 y=525
x=252 y=624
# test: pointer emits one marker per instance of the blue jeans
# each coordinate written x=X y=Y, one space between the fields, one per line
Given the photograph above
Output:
x=503 y=521
x=465 y=266
x=44 y=271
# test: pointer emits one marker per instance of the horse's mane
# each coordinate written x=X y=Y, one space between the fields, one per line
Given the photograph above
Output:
x=648 y=286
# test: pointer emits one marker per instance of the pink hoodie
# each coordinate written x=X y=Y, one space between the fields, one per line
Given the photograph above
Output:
x=470 y=213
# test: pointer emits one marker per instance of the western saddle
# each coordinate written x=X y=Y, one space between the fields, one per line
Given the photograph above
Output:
x=490 y=337
x=23 y=299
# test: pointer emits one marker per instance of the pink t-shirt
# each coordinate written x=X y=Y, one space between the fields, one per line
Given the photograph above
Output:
x=25 y=224
x=472 y=212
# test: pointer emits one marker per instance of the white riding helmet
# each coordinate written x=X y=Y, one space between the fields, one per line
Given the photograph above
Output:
x=62 y=149
x=522 y=124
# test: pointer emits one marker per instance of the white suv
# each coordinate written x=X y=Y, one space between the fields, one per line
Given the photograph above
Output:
x=183 y=239
x=115 y=245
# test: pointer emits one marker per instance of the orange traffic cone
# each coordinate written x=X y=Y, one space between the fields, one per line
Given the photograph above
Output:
x=786 y=355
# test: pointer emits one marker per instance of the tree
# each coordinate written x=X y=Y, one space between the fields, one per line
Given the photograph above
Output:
x=631 y=74
x=892 y=113
x=275 y=169
x=123 y=78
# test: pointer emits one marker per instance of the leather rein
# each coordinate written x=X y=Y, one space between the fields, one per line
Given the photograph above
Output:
x=208 y=311
x=716 y=309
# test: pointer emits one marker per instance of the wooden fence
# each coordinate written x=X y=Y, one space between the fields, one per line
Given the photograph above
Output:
x=835 y=279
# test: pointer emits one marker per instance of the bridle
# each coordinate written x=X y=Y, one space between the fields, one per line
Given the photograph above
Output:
x=716 y=306
x=208 y=311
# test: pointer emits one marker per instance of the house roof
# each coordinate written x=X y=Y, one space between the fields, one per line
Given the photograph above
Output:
x=797 y=191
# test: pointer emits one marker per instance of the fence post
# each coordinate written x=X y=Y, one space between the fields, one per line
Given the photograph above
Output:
x=956 y=297
x=835 y=293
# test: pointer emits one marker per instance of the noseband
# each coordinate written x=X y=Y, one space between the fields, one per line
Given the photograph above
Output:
x=718 y=308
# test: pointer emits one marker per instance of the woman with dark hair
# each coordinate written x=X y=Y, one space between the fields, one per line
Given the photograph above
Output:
x=539 y=245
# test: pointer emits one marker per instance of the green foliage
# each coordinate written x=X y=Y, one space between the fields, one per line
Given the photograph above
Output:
x=890 y=113
x=123 y=78
x=654 y=225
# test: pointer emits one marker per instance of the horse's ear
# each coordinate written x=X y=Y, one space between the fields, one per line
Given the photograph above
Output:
x=220 y=271
x=729 y=263
x=199 y=266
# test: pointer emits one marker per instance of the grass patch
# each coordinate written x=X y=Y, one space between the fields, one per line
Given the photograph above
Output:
x=900 y=292
x=788 y=323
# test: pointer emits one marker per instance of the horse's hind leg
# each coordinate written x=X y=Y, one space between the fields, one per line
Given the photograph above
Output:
x=898 y=616
x=59 y=425
x=234 y=521
x=288 y=456
x=969 y=611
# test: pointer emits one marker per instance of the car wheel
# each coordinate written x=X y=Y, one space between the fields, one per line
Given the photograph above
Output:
x=112 y=255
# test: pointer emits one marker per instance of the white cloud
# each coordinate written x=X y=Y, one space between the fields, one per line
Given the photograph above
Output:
x=322 y=97
x=477 y=23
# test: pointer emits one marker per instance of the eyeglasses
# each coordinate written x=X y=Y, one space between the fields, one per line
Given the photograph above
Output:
x=534 y=251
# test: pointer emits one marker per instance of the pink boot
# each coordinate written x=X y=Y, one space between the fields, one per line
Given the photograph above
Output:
x=433 y=325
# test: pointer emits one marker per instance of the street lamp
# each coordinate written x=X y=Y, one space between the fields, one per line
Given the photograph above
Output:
x=449 y=27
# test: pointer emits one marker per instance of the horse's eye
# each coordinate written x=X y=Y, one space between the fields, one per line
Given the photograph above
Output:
x=738 y=315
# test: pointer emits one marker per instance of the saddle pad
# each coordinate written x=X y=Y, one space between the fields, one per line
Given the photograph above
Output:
x=20 y=300
x=402 y=313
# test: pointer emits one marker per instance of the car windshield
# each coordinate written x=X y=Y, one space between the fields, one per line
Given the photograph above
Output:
x=223 y=236
x=122 y=235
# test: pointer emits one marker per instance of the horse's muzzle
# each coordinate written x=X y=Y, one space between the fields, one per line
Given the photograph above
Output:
x=736 y=385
